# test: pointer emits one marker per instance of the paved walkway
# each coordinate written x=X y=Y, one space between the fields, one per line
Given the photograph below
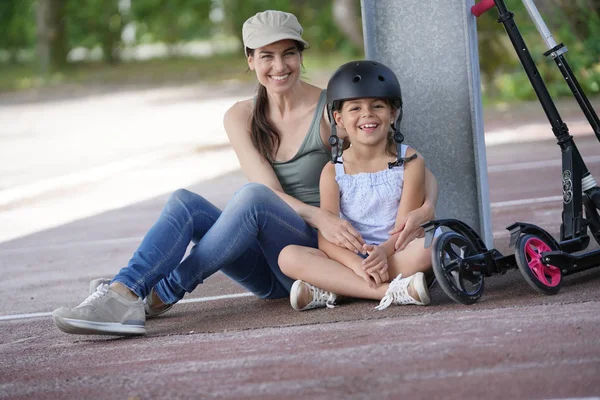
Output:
x=222 y=343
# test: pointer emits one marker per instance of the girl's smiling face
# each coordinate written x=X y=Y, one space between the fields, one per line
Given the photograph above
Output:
x=366 y=120
x=277 y=65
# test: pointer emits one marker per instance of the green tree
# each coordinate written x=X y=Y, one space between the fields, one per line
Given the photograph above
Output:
x=17 y=27
x=51 y=34
x=172 y=21
x=96 y=22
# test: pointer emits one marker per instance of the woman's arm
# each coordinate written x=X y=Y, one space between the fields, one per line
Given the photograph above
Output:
x=258 y=169
x=254 y=165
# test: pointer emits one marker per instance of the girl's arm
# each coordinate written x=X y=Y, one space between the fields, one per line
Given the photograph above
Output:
x=413 y=191
x=330 y=201
x=258 y=169
x=409 y=227
x=413 y=194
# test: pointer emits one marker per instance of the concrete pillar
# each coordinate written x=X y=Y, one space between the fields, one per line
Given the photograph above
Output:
x=432 y=47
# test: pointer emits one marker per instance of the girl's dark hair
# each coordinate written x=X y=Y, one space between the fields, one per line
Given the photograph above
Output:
x=265 y=136
x=391 y=144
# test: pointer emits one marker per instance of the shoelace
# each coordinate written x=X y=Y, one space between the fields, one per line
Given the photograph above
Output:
x=396 y=293
x=101 y=290
x=320 y=296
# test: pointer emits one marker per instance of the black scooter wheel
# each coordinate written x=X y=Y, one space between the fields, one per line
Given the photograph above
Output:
x=545 y=279
x=449 y=249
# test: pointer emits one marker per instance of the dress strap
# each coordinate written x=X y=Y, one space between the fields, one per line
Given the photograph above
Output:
x=401 y=157
x=339 y=167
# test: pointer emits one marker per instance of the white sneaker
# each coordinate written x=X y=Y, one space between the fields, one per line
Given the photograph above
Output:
x=105 y=312
x=397 y=293
x=305 y=296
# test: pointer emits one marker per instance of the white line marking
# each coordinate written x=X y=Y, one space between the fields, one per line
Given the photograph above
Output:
x=19 y=193
x=185 y=301
x=64 y=246
x=523 y=202
x=23 y=316
x=536 y=164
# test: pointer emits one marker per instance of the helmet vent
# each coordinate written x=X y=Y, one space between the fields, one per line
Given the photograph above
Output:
x=356 y=78
x=381 y=78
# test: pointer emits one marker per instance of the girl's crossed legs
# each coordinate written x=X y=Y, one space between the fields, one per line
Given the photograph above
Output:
x=314 y=267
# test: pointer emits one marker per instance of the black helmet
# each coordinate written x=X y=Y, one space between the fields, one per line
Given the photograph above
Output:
x=362 y=79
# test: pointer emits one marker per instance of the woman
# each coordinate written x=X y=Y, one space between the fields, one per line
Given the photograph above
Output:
x=280 y=140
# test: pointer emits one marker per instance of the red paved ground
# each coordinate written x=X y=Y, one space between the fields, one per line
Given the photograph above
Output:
x=513 y=343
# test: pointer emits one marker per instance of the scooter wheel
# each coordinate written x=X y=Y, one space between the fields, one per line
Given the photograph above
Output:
x=545 y=279
x=449 y=250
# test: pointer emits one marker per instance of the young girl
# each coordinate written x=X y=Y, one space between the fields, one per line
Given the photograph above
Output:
x=373 y=187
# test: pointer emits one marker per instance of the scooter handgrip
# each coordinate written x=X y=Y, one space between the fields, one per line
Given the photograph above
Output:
x=482 y=7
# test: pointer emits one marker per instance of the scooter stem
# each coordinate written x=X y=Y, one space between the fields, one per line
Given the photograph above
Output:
x=539 y=23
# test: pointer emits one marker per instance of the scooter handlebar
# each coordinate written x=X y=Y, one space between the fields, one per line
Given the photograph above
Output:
x=482 y=7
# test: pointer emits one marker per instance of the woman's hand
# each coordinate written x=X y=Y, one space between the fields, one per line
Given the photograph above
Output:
x=340 y=232
x=409 y=227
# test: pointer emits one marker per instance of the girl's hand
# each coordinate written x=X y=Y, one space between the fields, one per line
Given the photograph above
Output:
x=340 y=232
x=409 y=227
x=380 y=277
x=376 y=262
x=373 y=280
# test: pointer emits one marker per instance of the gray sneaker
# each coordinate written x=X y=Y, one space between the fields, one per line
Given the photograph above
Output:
x=152 y=310
x=304 y=296
x=94 y=283
x=103 y=313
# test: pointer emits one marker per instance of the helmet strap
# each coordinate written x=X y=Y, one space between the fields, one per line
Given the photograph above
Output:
x=336 y=145
x=399 y=138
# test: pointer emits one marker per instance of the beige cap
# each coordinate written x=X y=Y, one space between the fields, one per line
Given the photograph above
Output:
x=269 y=27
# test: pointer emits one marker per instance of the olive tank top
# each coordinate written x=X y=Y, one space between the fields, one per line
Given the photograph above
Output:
x=299 y=177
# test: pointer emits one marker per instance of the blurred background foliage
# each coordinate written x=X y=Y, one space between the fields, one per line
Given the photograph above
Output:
x=48 y=42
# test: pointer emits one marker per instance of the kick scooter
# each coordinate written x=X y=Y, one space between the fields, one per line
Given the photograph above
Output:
x=461 y=260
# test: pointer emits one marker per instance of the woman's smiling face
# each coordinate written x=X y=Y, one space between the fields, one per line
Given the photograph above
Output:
x=277 y=65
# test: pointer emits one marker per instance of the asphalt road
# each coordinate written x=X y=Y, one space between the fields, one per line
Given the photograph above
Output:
x=513 y=343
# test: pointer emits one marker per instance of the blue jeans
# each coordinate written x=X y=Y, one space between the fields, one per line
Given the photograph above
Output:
x=243 y=241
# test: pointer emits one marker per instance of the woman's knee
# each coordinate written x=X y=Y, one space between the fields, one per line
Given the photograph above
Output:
x=252 y=193
x=183 y=196
x=184 y=206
